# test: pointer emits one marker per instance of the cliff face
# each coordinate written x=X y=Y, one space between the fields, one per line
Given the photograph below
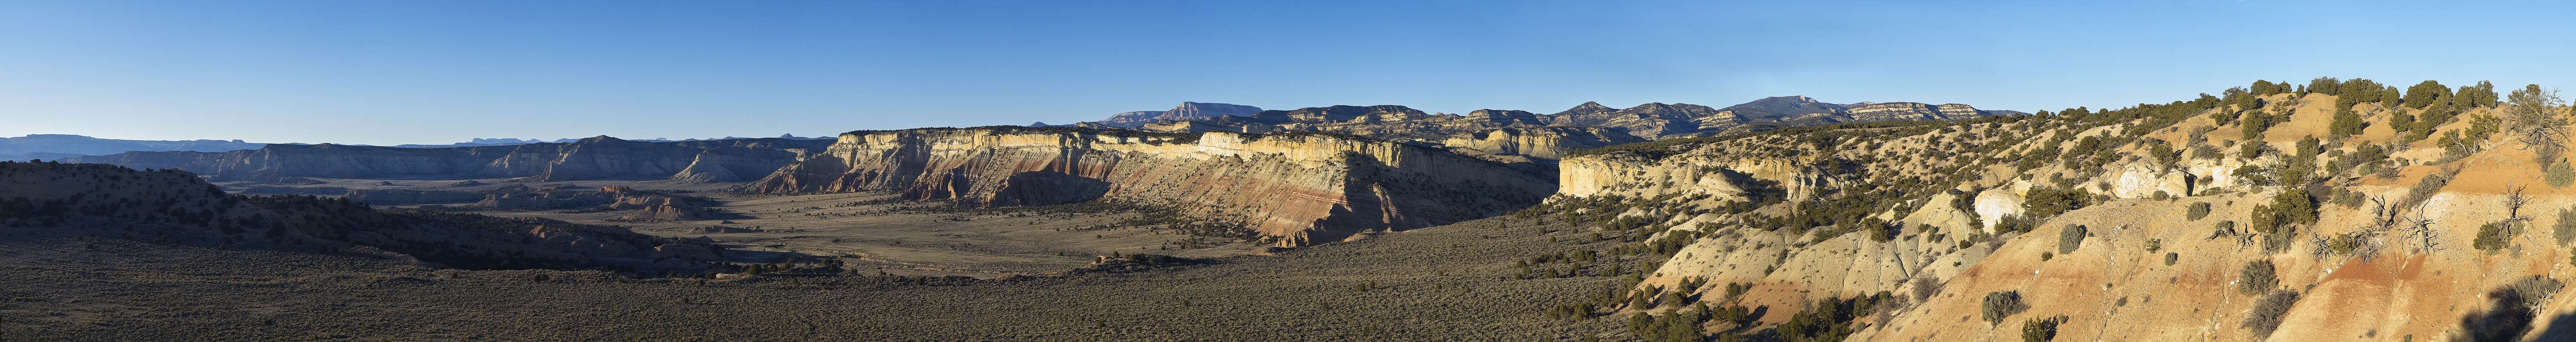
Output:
x=1303 y=189
x=1544 y=142
x=1894 y=111
x=593 y=158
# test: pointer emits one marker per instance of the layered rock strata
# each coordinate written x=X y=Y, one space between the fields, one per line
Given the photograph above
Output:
x=1301 y=188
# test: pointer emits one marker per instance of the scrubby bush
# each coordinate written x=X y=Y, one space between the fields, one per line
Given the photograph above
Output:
x=2492 y=236
x=2000 y=304
x=2565 y=229
x=2257 y=277
x=2559 y=174
x=2047 y=202
x=2537 y=288
x=2267 y=312
x=2287 y=207
x=2198 y=211
x=2041 y=330
x=1925 y=287
x=2015 y=224
x=2171 y=257
x=2070 y=238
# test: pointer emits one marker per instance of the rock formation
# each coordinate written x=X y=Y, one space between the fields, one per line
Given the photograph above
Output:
x=1539 y=142
x=648 y=206
x=1301 y=188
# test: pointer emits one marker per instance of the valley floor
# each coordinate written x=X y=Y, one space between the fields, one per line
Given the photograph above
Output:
x=1441 y=283
x=872 y=231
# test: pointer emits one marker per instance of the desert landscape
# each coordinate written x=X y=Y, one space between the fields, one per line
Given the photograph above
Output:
x=1385 y=171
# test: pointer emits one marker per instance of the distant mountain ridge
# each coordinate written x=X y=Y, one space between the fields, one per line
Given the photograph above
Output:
x=50 y=146
x=513 y=141
x=1586 y=125
x=600 y=157
x=1184 y=112
x=59 y=146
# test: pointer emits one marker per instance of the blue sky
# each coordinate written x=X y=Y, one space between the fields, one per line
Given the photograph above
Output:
x=381 y=72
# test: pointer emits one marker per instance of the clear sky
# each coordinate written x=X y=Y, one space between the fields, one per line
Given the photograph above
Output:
x=387 y=72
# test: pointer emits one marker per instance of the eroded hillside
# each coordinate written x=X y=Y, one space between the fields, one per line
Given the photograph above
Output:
x=2338 y=210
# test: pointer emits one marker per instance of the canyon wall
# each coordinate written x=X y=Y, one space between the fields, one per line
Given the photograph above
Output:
x=1301 y=188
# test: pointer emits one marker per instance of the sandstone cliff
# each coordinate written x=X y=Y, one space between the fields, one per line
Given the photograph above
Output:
x=1543 y=142
x=1301 y=188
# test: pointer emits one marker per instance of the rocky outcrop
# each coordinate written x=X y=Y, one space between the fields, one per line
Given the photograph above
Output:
x=593 y=158
x=1730 y=179
x=1906 y=111
x=649 y=206
x=1542 y=142
x=1301 y=188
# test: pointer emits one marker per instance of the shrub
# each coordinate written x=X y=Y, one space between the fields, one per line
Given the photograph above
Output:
x=2287 y=207
x=2491 y=236
x=2171 y=257
x=2257 y=277
x=1925 y=287
x=2267 y=312
x=2565 y=229
x=2559 y=174
x=2014 y=224
x=2044 y=256
x=2537 y=288
x=2046 y=202
x=2155 y=244
x=2070 y=238
x=2041 y=330
x=2000 y=304
x=2199 y=210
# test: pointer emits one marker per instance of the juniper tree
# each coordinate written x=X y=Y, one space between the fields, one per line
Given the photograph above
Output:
x=2534 y=116
x=2422 y=94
